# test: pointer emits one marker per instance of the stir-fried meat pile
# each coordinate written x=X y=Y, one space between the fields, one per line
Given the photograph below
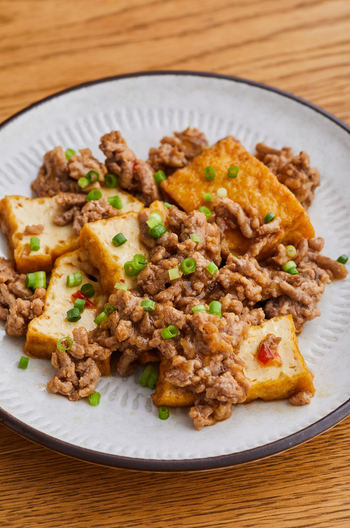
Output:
x=203 y=354
x=81 y=212
x=178 y=150
x=134 y=174
x=18 y=304
x=293 y=171
x=57 y=174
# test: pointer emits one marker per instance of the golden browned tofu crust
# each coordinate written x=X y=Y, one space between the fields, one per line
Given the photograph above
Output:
x=255 y=185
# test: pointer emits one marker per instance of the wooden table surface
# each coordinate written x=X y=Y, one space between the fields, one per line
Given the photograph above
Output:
x=299 y=46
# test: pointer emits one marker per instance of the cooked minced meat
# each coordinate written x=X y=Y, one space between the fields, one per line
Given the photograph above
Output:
x=33 y=229
x=59 y=175
x=134 y=174
x=178 y=150
x=81 y=212
x=18 y=305
x=293 y=171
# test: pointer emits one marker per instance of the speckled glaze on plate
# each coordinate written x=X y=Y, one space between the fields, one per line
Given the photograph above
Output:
x=124 y=430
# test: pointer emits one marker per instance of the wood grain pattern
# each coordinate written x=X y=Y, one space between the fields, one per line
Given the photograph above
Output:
x=300 y=46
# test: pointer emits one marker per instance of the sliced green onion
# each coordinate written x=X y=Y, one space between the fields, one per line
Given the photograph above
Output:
x=121 y=286
x=188 y=266
x=34 y=243
x=73 y=315
x=212 y=268
x=94 y=399
x=93 y=195
x=207 y=212
x=30 y=280
x=70 y=153
x=195 y=237
x=167 y=205
x=293 y=271
x=40 y=279
x=111 y=181
x=269 y=217
x=291 y=251
x=343 y=259
x=148 y=305
x=288 y=266
x=80 y=304
x=63 y=348
x=232 y=172
x=139 y=262
x=115 y=202
x=92 y=176
x=159 y=176
x=198 y=308
x=207 y=197
x=23 y=362
x=215 y=308
x=209 y=173
x=163 y=413
x=221 y=192
x=152 y=380
x=130 y=269
x=119 y=240
x=146 y=374
x=109 y=309
x=169 y=332
x=158 y=231
x=88 y=290
x=101 y=318
x=83 y=183
x=154 y=220
x=174 y=274
x=74 y=279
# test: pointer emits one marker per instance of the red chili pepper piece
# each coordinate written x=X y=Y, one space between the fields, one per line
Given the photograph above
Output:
x=265 y=354
x=80 y=295
x=133 y=167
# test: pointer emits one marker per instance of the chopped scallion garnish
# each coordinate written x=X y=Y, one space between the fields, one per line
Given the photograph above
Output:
x=94 y=399
x=115 y=202
x=62 y=347
x=159 y=176
x=73 y=315
x=163 y=413
x=158 y=231
x=154 y=220
x=34 y=243
x=167 y=205
x=111 y=181
x=174 y=274
x=198 y=308
x=188 y=266
x=149 y=377
x=36 y=280
x=119 y=240
x=195 y=237
x=70 y=153
x=83 y=183
x=169 y=332
x=343 y=259
x=74 y=279
x=93 y=195
x=88 y=290
x=207 y=197
x=212 y=268
x=80 y=304
x=120 y=286
x=92 y=176
x=288 y=267
x=221 y=192
x=215 y=308
x=23 y=362
x=101 y=318
x=232 y=172
x=269 y=217
x=291 y=251
x=148 y=305
x=209 y=173
x=207 y=212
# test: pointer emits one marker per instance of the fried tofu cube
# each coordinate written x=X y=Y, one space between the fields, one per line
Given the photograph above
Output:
x=97 y=239
x=269 y=382
x=44 y=331
x=254 y=185
x=275 y=382
x=18 y=212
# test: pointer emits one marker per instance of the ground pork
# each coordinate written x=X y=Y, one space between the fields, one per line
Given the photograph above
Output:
x=134 y=174
x=54 y=175
x=18 y=304
x=293 y=171
x=80 y=164
x=177 y=151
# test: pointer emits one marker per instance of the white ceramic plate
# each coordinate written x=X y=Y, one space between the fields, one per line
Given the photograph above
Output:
x=124 y=430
